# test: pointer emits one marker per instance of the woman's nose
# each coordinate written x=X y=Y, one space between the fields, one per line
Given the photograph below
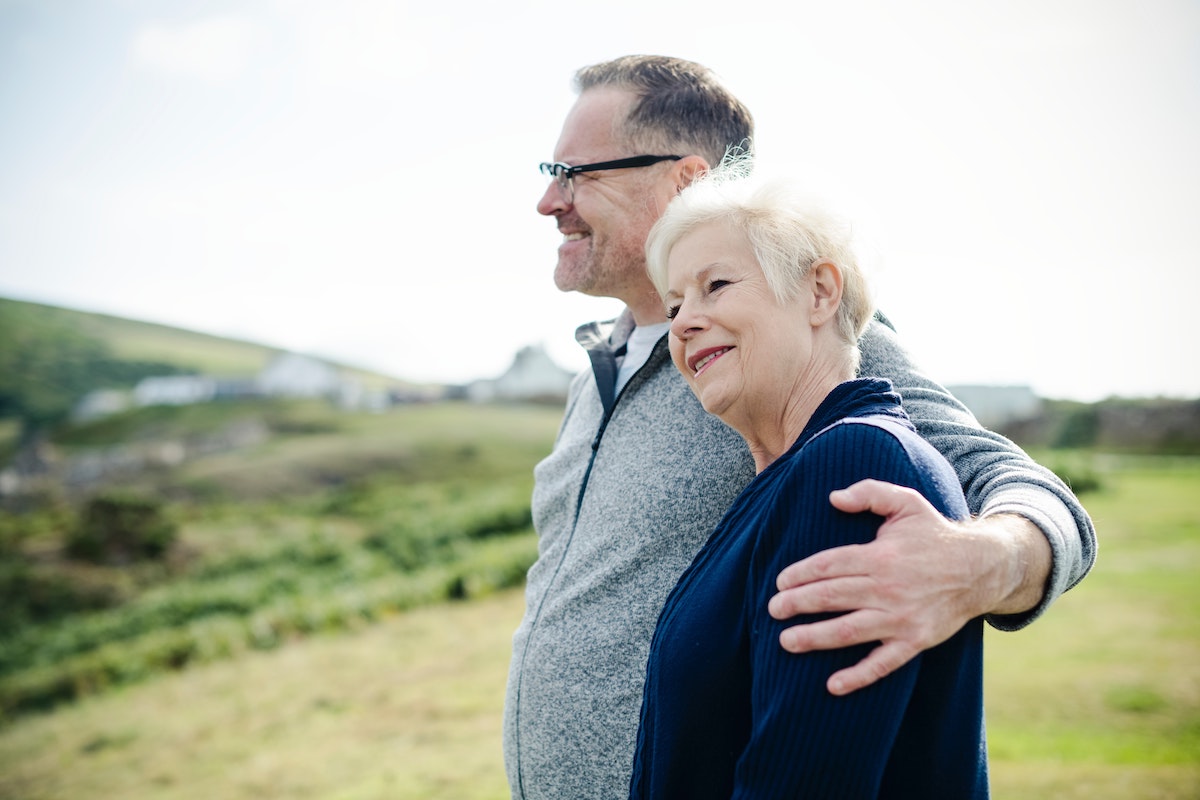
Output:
x=686 y=323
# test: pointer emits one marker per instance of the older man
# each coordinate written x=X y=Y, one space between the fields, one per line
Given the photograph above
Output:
x=640 y=474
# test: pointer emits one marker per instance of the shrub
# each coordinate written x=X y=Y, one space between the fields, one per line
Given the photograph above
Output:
x=34 y=593
x=117 y=528
x=1079 y=428
x=1078 y=471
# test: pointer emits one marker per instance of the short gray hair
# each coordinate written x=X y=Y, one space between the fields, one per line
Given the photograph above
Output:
x=787 y=231
x=680 y=106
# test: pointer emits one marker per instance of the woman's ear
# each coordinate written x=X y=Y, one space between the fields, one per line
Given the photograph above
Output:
x=825 y=278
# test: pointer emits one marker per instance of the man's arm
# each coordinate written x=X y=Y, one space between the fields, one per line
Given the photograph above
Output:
x=924 y=577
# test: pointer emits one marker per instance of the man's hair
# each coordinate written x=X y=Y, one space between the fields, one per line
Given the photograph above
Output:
x=788 y=232
x=681 y=107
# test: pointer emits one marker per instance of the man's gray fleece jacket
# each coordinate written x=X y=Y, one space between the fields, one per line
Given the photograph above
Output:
x=623 y=504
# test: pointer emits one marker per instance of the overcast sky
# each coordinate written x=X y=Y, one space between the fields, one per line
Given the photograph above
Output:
x=358 y=179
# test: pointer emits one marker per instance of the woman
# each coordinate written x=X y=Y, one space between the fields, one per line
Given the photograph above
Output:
x=767 y=304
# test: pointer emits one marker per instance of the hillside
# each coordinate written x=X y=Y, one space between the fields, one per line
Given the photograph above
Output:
x=50 y=357
x=134 y=340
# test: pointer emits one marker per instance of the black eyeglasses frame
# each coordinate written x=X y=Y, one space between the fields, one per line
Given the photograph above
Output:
x=564 y=174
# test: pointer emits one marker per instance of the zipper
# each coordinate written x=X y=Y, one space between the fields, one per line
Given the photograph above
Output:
x=609 y=412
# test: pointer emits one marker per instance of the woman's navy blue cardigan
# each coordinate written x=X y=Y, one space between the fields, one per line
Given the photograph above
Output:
x=728 y=713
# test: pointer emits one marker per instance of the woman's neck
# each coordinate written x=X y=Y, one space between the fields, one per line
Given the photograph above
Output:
x=770 y=432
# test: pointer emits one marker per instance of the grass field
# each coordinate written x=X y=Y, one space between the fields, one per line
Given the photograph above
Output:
x=1101 y=699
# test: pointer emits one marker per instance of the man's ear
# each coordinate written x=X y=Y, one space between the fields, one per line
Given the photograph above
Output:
x=825 y=278
x=687 y=170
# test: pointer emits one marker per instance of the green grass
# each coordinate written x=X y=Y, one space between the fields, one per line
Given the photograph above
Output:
x=1100 y=699
x=406 y=708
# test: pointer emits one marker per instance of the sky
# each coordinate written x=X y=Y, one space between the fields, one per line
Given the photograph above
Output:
x=358 y=180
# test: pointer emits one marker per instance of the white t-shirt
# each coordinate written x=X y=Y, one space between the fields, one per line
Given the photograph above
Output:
x=641 y=341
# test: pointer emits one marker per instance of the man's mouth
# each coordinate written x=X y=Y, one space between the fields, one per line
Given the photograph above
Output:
x=573 y=237
x=701 y=360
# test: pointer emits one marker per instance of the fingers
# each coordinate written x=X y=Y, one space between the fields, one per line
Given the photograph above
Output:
x=884 y=499
x=881 y=662
x=896 y=589
x=845 y=594
x=836 y=562
x=858 y=627
x=844 y=631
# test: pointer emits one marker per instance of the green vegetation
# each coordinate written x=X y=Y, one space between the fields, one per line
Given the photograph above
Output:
x=331 y=522
x=48 y=364
x=404 y=709
x=1153 y=426
x=1098 y=700
x=119 y=528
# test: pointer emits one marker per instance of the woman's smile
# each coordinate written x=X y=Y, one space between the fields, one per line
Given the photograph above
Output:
x=701 y=360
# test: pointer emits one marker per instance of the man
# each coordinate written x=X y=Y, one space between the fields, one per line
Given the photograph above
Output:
x=640 y=474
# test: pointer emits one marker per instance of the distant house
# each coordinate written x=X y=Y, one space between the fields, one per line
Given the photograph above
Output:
x=995 y=406
x=532 y=376
x=295 y=375
x=284 y=375
x=174 y=390
x=235 y=388
x=101 y=403
x=353 y=396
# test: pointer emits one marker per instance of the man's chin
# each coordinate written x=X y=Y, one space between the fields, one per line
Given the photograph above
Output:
x=569 y=279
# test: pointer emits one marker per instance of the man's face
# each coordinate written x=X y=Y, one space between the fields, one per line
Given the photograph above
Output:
x=605 y=228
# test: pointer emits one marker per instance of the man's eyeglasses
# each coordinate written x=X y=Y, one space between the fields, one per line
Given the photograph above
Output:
x=564 y=174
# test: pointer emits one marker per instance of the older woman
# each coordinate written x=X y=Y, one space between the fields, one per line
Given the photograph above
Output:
x=767 y=304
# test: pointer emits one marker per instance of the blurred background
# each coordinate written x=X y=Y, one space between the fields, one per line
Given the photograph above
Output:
x=358 y=180
x=280 y=346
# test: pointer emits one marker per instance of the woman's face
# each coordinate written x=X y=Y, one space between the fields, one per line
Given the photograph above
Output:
x=743 y=352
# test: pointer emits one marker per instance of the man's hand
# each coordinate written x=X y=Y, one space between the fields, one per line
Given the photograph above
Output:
x=914 y=586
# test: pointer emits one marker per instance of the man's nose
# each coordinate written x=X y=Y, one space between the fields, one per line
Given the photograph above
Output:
x=552 y=203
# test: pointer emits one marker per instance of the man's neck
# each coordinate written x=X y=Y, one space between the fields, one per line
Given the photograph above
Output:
x=648 y=310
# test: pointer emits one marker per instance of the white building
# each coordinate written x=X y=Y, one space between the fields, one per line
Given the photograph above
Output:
x=174 y=390
x=994 y=406
x=101 y=403
x=295 y=375
x=532 y=376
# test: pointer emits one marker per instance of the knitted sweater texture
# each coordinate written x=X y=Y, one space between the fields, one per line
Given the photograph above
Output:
x=727 y=713
x=625 y=501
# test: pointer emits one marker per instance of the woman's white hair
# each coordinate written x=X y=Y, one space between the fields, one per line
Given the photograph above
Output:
x=787 y=231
